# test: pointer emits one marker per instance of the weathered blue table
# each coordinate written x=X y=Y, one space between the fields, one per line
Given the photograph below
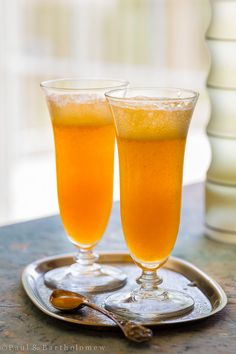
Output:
x=24 y=329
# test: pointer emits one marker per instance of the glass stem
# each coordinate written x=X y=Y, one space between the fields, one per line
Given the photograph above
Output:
x=85 y=262
x=149 y=280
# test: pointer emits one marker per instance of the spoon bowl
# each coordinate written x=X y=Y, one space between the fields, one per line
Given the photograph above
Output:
x=64 y=300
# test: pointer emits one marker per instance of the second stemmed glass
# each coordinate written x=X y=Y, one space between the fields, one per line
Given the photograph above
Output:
x=151 y=128
x=84 y=148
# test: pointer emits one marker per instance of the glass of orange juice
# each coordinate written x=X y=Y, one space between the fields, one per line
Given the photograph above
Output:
x=84 y=139
x=151 y=129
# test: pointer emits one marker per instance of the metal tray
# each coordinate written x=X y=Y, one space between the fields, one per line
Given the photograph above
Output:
x=177 y=274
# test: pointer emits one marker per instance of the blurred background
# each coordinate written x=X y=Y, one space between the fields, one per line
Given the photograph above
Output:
x=148 y=42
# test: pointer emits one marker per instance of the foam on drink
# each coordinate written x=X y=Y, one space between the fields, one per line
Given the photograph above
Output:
x=79 y=110
x=152 y=120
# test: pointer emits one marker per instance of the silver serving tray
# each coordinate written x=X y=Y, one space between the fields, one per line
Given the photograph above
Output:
x=177 y=274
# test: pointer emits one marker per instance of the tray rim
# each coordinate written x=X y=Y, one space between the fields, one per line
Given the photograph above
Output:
x=125 y=255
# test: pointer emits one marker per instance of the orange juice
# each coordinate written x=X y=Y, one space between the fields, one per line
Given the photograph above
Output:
x=84 y=147
x=151 y=145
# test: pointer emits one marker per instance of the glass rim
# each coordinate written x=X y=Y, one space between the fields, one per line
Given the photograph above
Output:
x=49 y=84
x=192 y=95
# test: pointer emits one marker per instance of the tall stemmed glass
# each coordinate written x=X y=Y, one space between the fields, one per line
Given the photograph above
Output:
x=84 y=147
x=151 y=128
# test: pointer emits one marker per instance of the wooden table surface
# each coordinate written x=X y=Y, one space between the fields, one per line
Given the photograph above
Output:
x=25 y=329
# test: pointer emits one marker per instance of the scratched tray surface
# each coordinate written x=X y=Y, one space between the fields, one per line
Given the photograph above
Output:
x=177 y=274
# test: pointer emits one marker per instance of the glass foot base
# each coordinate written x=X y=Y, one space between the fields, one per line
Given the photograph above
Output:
x=149 y=307
x=104 y=278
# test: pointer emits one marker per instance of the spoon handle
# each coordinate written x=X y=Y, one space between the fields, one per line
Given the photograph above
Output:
x=131 y=330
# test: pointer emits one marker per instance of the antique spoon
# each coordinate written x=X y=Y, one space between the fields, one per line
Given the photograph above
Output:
x=64 y=300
